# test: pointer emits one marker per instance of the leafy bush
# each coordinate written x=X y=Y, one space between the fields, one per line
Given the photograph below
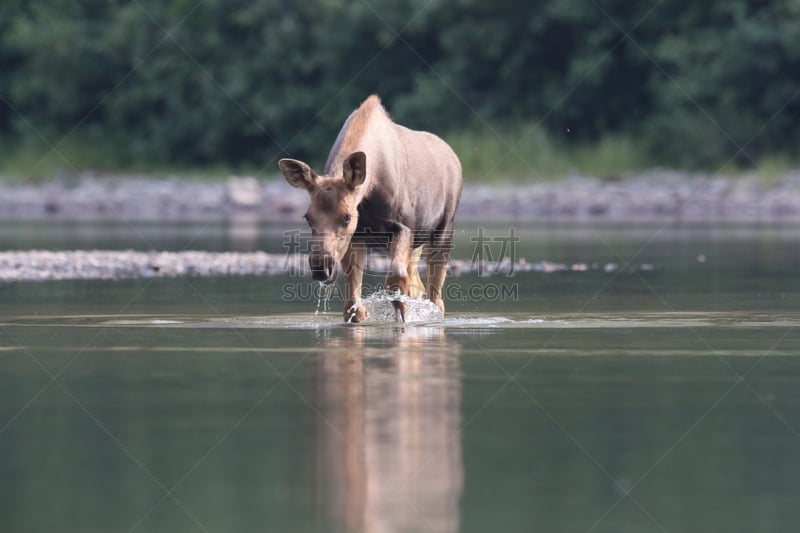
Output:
x=241 y=82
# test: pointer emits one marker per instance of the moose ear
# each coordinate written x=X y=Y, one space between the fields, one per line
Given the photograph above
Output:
x=298 y=174
x=355 y=169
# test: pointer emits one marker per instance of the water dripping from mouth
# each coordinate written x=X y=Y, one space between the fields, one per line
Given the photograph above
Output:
x=324 y=297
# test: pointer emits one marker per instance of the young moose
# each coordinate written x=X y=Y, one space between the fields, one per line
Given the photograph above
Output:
x=384 y=186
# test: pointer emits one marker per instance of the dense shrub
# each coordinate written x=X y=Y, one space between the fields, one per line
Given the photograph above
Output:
x=239 y=81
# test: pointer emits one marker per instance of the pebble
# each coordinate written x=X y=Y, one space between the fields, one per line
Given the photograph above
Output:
x=42 y=265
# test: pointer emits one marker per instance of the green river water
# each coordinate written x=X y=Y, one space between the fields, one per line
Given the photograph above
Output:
x=659 y=395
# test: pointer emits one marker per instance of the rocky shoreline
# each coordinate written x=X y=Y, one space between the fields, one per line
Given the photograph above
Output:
x=654 y=195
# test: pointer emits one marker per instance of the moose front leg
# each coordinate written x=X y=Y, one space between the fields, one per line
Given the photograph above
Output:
x=399 y=277
x=438 y=258
x=353 y=266
x=417 y=288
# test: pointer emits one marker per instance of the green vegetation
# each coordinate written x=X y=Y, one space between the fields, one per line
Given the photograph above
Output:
x=619 y=85
x=35 y=160
x=515 y=154
x=523 y=153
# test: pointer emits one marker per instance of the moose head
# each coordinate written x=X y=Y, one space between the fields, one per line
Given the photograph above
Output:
x=332 y=213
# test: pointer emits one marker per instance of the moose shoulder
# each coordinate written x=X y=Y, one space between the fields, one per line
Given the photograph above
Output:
x=383 y=185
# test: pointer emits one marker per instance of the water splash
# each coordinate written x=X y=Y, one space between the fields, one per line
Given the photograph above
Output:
x=380 y=308
x=324 y=297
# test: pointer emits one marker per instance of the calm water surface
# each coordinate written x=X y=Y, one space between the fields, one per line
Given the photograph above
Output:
x=656 y=399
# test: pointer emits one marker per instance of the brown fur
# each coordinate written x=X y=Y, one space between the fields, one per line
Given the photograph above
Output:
x=385 y=186
x=356 y=125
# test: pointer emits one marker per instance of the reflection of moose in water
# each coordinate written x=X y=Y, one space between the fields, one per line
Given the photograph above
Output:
x=384 y=185
x=390 y=430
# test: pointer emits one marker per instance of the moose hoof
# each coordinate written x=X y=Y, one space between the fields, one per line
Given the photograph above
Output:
x=353 y=314
x=417 y=291
x=440 y=304
x=400 y=310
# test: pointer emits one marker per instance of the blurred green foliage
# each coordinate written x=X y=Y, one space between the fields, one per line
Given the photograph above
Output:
x=197 y=82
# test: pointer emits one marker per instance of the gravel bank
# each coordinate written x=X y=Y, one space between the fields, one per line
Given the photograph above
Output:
x=39 y=265
x=658 y=195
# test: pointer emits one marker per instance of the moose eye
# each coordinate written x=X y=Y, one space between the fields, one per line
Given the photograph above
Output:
x=346 y=220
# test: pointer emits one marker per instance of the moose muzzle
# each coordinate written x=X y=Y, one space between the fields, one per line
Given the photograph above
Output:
x=323 y=267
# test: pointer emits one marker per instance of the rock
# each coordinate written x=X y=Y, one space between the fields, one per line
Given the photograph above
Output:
x=653 y=195
x=243 y=191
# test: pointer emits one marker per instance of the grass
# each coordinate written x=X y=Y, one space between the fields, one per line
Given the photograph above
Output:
x=526 y=153
x=35 y=161
x=512 y=155
x=772 y=168
x=522 y=154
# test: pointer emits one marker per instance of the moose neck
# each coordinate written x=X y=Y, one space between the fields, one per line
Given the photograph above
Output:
x=361 y=130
